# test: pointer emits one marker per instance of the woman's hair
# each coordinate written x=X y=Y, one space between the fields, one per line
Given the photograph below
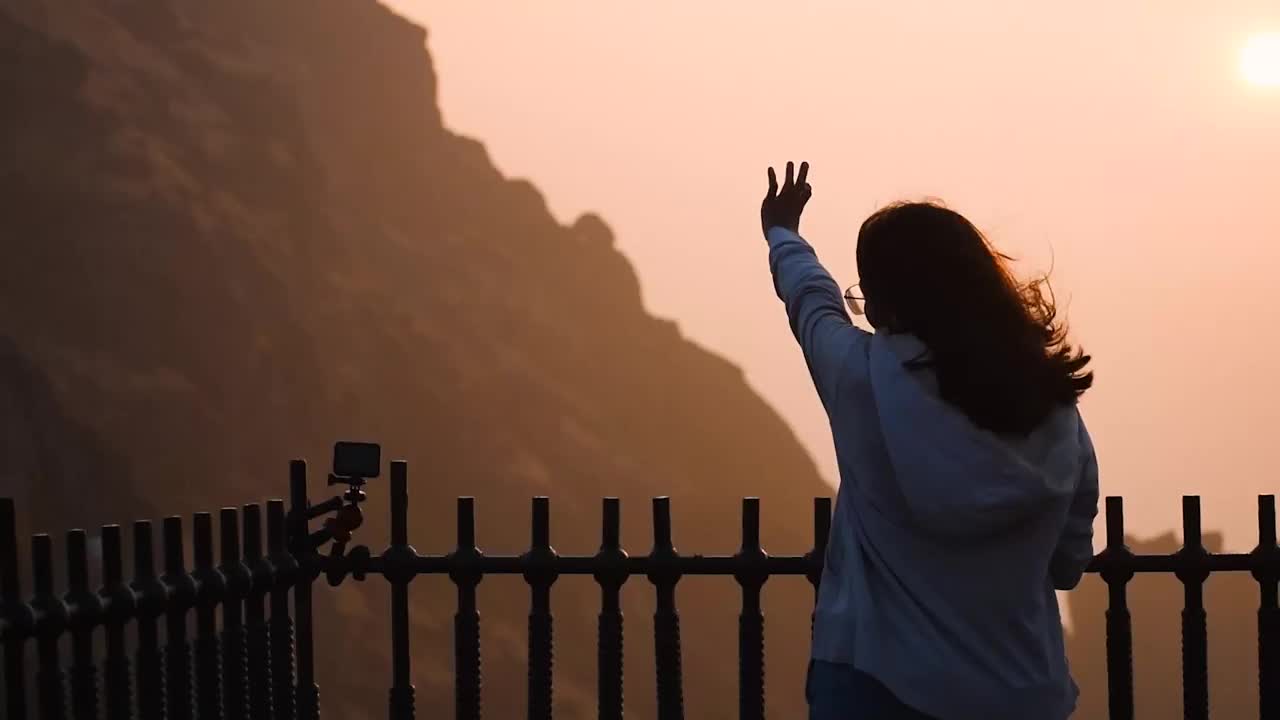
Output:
x=995 y=344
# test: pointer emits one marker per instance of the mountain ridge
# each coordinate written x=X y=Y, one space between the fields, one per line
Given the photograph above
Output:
x=240 y=231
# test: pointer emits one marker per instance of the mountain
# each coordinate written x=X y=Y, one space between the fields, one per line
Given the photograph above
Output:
x=235 y=232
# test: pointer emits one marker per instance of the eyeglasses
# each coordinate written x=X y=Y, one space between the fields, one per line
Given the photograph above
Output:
x=853 y=298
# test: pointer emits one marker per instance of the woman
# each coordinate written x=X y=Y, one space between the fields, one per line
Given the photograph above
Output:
x=968 y=483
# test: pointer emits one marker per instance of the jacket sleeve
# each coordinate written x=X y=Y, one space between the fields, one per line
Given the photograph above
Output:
x=1075 y=546
x=815 y=310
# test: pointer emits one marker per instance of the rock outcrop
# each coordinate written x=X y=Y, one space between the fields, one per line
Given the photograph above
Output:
x=233 y=232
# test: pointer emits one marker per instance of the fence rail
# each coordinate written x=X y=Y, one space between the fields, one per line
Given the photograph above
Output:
x=252 y=653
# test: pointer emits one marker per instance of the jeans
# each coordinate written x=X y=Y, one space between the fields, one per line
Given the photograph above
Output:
x=841 y=692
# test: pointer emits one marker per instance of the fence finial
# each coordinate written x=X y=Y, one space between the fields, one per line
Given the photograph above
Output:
x=1115 y=522
x=1267 y=520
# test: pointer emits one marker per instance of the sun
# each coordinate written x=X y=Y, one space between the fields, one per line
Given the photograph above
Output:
x=1260 y=60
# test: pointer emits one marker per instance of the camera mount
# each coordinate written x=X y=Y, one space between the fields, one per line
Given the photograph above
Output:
x=348 y=515
x=353 y=465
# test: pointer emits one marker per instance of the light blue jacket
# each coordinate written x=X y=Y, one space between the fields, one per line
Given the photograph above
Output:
x=947 y=541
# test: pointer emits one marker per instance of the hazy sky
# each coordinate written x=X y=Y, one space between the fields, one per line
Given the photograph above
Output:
x=1116 y=140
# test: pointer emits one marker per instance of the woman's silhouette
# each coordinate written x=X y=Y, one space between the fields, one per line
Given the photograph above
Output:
x=968 y=483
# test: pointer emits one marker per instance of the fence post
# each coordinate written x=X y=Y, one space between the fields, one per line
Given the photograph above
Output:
x=540 y=575
x=818 y=556
x=85 y=609
x=308 y=693
x=19 y=615
x=1117 y=571
x=1193 y=570
x=1267 y=573
x=209 y=592
x=238 y=583
x=281 y=625
x=612 y=573
x=400 y=570
x=182 y=595
x=666 y=621
x=465 y=573
x=51 y=620
x=120 y=606
x=258 y=632
x=152 y=598
x=751 y=575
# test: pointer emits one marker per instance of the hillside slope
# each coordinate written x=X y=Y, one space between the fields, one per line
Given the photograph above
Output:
x=235 y=232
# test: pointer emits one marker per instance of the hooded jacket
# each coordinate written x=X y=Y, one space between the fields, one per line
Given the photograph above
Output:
x=947 y=541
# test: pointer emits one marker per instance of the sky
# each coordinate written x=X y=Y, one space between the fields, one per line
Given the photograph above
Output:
x=1119 y=145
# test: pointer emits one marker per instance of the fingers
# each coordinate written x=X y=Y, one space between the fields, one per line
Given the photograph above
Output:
x=792 y=181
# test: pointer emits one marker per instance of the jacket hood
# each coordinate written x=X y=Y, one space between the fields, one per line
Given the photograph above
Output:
x=957 y=478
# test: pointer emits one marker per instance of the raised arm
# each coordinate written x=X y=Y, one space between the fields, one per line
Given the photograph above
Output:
x=815 y=308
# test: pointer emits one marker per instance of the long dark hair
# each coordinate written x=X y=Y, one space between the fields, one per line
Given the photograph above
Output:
x=996 y=345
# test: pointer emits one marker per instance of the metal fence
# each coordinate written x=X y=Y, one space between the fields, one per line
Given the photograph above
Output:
x=256 y=659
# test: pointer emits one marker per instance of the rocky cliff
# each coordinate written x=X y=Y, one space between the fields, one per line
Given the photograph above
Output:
x=235 y=232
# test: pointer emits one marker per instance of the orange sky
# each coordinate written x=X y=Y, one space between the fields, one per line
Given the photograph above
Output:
x=1116 y=139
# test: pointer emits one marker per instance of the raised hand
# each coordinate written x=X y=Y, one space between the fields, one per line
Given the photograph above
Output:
x=782 y=208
